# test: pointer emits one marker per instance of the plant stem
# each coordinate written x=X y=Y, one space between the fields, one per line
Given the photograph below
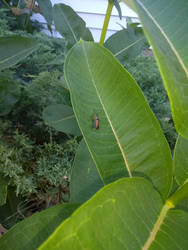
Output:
x=106 y=21
x=6 y=4
x=179 y=195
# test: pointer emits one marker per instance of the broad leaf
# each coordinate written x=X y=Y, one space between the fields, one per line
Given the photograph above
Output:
x=128 y=214
x=85 y=179
x=9 y=93
x=31 y=232
x=61 y=117
x=14 y=49
x=70 y=25
x=180 y=160
x=129 y=140
x=166 y=24
x=46 y=10
x=3 y=190
x=127 y=43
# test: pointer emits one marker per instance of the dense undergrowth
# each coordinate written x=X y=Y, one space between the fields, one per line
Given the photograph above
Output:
x=35 y=158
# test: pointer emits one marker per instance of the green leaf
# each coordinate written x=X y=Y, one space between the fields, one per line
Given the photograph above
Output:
x=166 y=30
x=117 y=5
x=130 y=3
x=61 y=117
x=128 y=214
x=3 y=190
x=9 y=212
x=129 y=140
x=85 y=179
x=180 y=194
x=46 y=10
x=31 y=232
x=127 y=43
x=70 y=25
x=14 y=49
x=180 y=160
x=9 y=93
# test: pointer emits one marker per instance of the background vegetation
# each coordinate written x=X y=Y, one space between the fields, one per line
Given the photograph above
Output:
x=36 y=159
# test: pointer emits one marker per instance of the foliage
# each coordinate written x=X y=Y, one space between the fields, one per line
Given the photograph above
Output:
x=74 y=28
x=37 y=170
x=171 y=58
x=20 y=12
x=45 y=223
x=46 y=157
x=132 y=37
x=141 y=210
x=140 y=154
x=13 y=19
x=31 y=151
x=49 y=57
x=10 y=92
x=145 y=72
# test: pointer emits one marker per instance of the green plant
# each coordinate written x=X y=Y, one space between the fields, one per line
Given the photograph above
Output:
x=21 y=119
x=137 y=207
x=19 y=13
x=145 y=72
x=36 y=170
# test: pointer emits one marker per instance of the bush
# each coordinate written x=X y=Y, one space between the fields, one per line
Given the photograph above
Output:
x=35 y=158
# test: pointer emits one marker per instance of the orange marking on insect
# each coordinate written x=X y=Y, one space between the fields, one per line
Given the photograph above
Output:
x=95 y=122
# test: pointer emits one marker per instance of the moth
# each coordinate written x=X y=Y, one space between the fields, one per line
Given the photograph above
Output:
x=95 y=122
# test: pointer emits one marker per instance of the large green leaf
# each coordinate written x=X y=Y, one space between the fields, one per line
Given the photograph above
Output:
x=127 y=43
x=166 y=24
x=70 y=25
x=46 y=10
x=3 y=190
x=129 y=140
x=9 y=93
x=128 y=214
x=31 y=232
x=85 y=179
x=14 y=49
x=180 y=160
x=61 y=117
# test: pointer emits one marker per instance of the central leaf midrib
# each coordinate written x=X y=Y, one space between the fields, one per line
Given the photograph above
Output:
x=113 y=130
x=157 y=225
x=18 y=54
x=64 y=119
x=128 y=47
x=70 y=27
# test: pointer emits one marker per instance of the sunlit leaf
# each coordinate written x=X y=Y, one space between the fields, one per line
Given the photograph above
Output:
x=85 y=179
x=129 y=140
x=128 y=214
x=166 y=24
